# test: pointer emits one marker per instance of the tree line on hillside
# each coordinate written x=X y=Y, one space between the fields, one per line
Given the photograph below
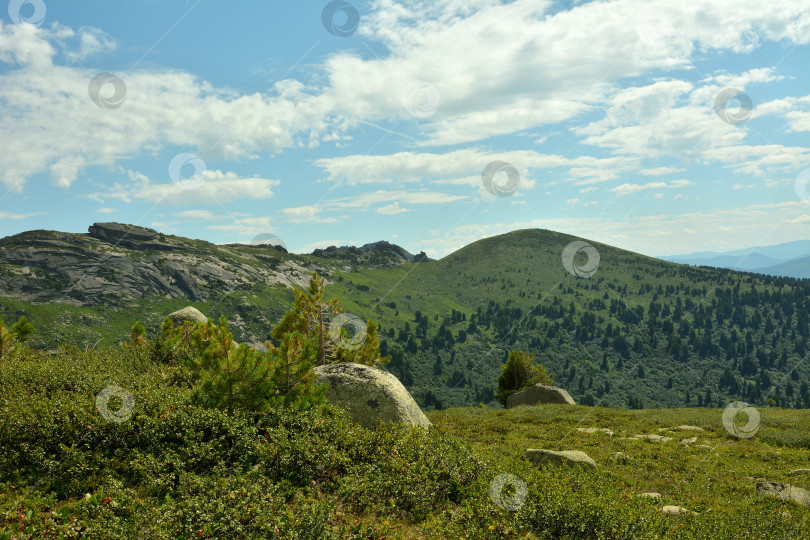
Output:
x=746 y=340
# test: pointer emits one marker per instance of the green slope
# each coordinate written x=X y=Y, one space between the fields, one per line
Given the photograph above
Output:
x=639 y=332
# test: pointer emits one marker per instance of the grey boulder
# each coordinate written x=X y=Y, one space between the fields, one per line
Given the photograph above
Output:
x=369 y=394
x=784 y=491
x=539 y=393
x=188 y=313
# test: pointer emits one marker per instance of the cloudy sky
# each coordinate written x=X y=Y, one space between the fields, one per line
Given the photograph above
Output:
x=658 y=126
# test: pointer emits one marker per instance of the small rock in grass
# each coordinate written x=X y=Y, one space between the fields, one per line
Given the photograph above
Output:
x=691 y=428
x=566 y=457
x=690 y=440
x=657 y=438
x=651 y=495
x=798 y=472
x=676 y=510
x=595 y=430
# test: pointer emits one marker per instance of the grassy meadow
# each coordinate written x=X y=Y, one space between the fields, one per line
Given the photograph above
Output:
x=172 y=469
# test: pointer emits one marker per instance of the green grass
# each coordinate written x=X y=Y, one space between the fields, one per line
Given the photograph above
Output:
x=175 y=470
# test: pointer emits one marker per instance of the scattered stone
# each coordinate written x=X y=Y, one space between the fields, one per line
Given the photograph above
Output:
x=798 y=472
x=690 y=440
x=691 y=428
x=595 y=430
x=657 y=438
x=676 y=510
x=706 y=446
x=651 y=495
x=188 y=313
x=566 y=457
x=539 y=394
x=369 y=394
x=780 y=490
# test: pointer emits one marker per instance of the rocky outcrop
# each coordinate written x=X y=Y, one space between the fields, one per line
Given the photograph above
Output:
x=369 y=395
x=539 y=394
x=379 y=254
x=564 y=458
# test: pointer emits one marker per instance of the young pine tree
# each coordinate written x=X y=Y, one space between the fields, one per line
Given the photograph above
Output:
x=13 y=338
x=519 y=373
x=293 y=377
x=310 y=317
x=232 y=377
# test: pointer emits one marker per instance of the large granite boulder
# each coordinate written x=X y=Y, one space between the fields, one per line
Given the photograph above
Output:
x=539 y=393
x=188 y=313
x=369 y=394
x=565 y=458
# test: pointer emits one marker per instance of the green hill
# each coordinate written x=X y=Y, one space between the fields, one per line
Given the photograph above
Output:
x=640 y=332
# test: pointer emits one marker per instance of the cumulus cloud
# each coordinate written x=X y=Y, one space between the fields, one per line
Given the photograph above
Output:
x=214 y=187
x=497 y=68
x=625 y=189
x=53 y=126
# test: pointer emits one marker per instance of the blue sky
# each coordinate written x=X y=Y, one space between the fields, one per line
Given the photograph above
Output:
x=428 y=123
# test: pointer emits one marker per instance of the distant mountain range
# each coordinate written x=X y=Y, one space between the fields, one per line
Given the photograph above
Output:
x=791 y=259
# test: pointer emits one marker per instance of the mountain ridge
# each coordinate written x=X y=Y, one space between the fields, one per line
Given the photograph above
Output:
x=638 y=331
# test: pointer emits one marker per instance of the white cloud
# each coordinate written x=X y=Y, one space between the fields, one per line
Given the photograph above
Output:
x=52 y=125
x=106 y=210
x=306 y=214
x=499 y=68
x=391 y=209
x=215 y=187
x=625 y=189
x=246 y=227
x=196 y=214
x=659 y=171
